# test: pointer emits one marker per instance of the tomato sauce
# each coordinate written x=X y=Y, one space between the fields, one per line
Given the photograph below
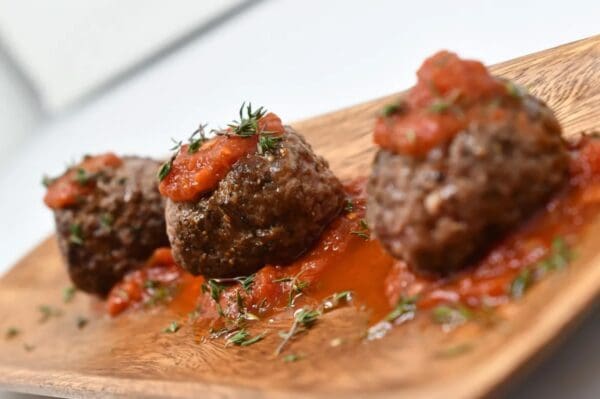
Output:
x=78 y=181
x=449 y=94
x=348 y=258
x=194 y=173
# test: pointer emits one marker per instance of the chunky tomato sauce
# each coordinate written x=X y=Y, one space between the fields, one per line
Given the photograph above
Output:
x=194 y=173
x=449 y=94
x=78 y=181
x=347 y=258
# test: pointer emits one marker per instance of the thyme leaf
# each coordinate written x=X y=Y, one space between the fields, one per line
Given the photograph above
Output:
x=75 y=234
x=405 y=310
x=172 y=328
x=68 y=293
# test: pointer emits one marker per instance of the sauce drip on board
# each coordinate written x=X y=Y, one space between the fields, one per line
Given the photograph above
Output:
x=196 y=171
x=347 y=259
x=78 y=181
x=450 y=94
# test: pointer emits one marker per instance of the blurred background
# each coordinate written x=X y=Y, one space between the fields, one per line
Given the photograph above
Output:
x=79 y=77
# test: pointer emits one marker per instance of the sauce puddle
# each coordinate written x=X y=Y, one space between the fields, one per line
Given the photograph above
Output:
x=346 y=258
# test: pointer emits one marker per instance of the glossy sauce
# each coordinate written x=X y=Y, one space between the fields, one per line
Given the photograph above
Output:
x=346 y=259
x=195 y=173
x=78 y=181
x=449 y=94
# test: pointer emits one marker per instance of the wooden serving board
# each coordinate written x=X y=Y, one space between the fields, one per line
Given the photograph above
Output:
x=131 y=356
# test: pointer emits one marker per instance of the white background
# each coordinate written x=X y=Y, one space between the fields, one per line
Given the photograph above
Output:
x=298 y=58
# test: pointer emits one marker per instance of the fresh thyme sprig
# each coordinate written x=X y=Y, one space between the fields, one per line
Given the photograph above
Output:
x=405 y=310
x=363 y=231
x=304 y=319
x=248 y=126
x=214 y=289
x=75 y=234
x=195 y=141
x=242 y=337
x=560 y=256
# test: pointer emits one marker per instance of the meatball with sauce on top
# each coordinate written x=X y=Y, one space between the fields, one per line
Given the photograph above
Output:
x=255 y=194
x=109 y=218
x=463 y=157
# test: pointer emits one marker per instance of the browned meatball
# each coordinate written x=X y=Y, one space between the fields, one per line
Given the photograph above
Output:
x=441 y=210
x=115 y=227
x=269 y=208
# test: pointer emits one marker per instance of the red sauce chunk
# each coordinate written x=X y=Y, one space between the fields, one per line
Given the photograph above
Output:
x=450 y=92
x=193 y=174
x=78 y=181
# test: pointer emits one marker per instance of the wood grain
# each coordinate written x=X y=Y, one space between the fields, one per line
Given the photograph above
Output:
x=130 y=356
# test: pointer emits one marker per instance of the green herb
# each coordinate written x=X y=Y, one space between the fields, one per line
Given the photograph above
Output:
x=297 y=286
x=521 y=283
x=243 y=338
x=82 y=177
x=82 y=322
x=514 y=90
x=560 y=256
x=450 y=315
x=196 y=140
x=47 y=312
x=303 y=319
x=438 y=106
x=106 y=220
x=267 y=142
x=75 y=234
x=158 y=294
x=363 y=231
x=348 y=205
x=291 y=358
x=404 y=310
x=214 y=289
x=335 y=300
x=172 y=328
x=28 y=348
x=455 y=350
x=47 y=181
x=390 y=109
x=247 y=125
x=11 y=332
x=165 y=168
x=68 y=294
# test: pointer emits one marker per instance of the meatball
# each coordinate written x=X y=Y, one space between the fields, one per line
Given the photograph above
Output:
x=441 y=210
x=268 y=208
x=114 y=227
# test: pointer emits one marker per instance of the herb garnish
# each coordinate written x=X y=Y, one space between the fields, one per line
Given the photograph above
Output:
x=68 y=294
x=47 y=181
x=363 y=231
x=514 y=90
x=106 y=220
x=172 y=328
x=215 y=290
x=438 y=106
x=390 y=109
x=405 y=310
x=82 y=322
x=451 y=316
x=165 y=168
x=197 y=138
x=28 y=347
x=348 y=205
x=11 y=332
x=47 y=312
x=559 y=257
x=291 y=358
x=243 y=338
x=248 y=126
x=82 y=177
x=304 y=318
x=335 y=300
x=75 y=234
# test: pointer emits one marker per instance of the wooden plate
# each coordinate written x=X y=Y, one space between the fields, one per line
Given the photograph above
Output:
x=131 y=356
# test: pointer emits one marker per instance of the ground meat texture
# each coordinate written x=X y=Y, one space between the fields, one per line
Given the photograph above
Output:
x=440 y=211
x=268 y=209
x=114 y=228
